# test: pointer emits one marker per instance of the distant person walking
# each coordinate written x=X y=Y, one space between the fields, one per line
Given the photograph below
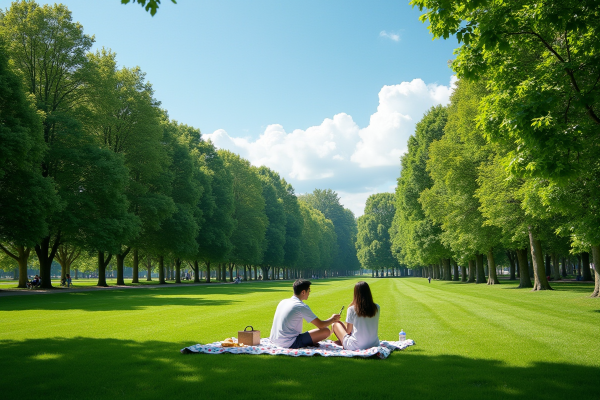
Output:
x=429 y=278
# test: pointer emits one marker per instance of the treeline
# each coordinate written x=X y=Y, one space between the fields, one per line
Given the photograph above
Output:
x=511 y=168
x=91 y=165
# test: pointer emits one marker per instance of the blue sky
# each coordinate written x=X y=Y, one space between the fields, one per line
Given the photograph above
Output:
x=304 y=79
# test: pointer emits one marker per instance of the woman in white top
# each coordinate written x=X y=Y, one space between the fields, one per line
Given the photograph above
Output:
x=362 y=319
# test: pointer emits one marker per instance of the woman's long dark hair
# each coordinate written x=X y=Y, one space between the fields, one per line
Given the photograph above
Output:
x=363 y=300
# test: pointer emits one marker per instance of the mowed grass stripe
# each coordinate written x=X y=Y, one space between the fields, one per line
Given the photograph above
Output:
x=517 y=327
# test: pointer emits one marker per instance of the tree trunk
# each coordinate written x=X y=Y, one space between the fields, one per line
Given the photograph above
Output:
x=455 y=265
x=463 y=273
x=586 y=272
x=524 y=279
x=120 y=266
x=446 y=268
x=207 y=271
x=540 y=281
x=178 y=270
x=563 y=271
x=196 y=272
x=479 y=269
x=596 y=258
x=136 y=270
x=548 y=267
x=102 y=263
x=265 y=272
x=46 y=253
x=161 y=270
x=579 y=265
x=471 y=271
x=492 y=279
x=231 y=272
x=555 y=268
x=21 y=257
x=149 y=268
x=511 y=260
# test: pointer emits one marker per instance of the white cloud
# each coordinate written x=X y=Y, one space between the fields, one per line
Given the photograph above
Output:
x=400 y=108
x=392 y=36
x=337 y=153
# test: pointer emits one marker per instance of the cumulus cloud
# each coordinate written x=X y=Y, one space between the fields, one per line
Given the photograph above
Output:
x=392 y=36
x=338 y=154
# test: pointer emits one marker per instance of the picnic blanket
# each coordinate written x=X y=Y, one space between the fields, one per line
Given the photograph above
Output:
x=327 y=348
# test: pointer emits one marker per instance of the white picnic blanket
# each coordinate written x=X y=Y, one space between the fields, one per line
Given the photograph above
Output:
x=326 y=348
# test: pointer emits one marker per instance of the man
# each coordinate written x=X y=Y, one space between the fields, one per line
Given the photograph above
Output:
x=287 y=323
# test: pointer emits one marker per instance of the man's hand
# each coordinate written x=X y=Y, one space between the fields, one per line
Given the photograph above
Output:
x=323 y=324
x=334 y=318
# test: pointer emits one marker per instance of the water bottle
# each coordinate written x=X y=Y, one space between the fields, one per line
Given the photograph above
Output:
x=402 y=335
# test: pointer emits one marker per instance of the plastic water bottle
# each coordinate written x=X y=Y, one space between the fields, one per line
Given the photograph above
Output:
x=402 y=335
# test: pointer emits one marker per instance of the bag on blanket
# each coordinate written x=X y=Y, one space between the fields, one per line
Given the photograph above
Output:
x=249 y=337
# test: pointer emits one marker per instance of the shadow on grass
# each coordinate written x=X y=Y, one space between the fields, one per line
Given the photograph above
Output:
x=123 y=299
x=578 y=287
x=108 y=368
x=94 y=301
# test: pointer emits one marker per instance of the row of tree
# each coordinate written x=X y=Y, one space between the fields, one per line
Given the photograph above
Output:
x=90 y=163
x=512 y=165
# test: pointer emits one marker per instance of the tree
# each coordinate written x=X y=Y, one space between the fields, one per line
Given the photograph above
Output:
x=453 y=165
x=373 y=241
x=26 y=197
x=248 y=237
x=328 y=202
x=50 y=51
x=415 y=238
x=540 y=61
x=123 y=116
x=501 y=197
x=176 y=236
x=275 y=234
x=218 y=207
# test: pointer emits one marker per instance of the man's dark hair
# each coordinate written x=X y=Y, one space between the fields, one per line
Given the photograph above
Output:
x=300 y=285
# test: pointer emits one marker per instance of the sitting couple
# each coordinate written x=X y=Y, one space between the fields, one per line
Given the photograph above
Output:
x=359 y=333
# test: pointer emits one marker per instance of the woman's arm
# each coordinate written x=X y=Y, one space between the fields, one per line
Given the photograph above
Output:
x=349 y=328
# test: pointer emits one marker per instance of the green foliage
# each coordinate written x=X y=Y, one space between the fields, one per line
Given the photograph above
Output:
x=149 y=5
x=328 y=203
x=218 y=207
x=177 y=234
x=26 y=197
x=251 y=222
x=416 y=239
x=540 y=61
x=453 y=165
x=373 y=240
x=275 y=234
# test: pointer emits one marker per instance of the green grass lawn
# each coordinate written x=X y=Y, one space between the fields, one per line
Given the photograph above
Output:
x=472 y=342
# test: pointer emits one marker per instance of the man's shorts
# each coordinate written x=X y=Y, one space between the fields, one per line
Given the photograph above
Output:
x=302 y=340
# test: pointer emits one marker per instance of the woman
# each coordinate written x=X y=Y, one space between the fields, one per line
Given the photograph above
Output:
x=362 y=319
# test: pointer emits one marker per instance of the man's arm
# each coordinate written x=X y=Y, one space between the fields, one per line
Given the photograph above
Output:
x=323 y=324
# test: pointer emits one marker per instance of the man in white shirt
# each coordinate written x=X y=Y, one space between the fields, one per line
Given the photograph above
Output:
x=287 y=323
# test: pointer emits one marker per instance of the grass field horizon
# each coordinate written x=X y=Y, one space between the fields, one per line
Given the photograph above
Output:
x=472 y=342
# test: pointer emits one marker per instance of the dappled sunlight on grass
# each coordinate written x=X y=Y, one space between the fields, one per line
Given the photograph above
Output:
x=46 y=356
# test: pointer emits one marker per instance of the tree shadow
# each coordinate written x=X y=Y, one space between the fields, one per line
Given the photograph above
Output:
x=578 y=287
x=109 y=301
x=109 y=368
